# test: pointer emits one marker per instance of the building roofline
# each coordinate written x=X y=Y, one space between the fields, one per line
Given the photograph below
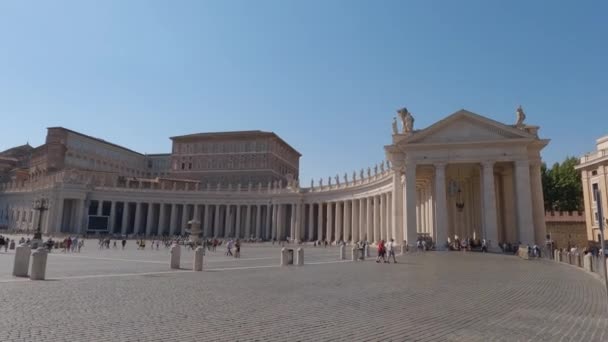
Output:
x=97 y=139
x=235 y=134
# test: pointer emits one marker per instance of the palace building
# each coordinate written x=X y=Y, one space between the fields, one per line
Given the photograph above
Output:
x=466 y=176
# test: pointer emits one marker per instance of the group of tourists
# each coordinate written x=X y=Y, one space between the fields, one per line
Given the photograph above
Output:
x=385 y=248
x=72 y=244
x=5 y=242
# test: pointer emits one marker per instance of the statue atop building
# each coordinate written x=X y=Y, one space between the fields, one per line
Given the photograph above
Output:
x=407 y=120
x=521 y=117
x=395 y=127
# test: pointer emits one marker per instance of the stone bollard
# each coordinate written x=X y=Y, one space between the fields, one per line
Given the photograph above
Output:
x=557 y=255
x=175 y=253
x=39 y=264
x=579 y=259
x=284 y=256
x=198 y=258
x=354 y=253
x=587 y=262
x=22 y=260
x=300 y=256
x=342 y=252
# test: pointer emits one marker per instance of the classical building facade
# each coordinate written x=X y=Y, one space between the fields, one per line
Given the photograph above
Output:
x=466 y=176
x=593 y=167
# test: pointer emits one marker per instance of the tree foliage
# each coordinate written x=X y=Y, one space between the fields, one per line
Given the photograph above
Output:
x=562 y=187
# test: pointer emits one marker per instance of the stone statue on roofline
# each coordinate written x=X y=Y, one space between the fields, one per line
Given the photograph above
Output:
x=382 y=166
x=361 y=174
x=337 y=179
x=369 y=172
x=376 y=169
x=312 y=183
x=321 y=182
x=354 y=176
x=329 y=181
x=395 y=127
x=345 y=178
x=407 y=120
x=521 y=117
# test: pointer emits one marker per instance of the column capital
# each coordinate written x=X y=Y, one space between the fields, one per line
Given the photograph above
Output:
x=488 y=164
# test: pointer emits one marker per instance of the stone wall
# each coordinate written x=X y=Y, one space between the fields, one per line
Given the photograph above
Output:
x=567 y=229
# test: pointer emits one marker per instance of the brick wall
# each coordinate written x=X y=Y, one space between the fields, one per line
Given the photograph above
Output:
x=567 y=228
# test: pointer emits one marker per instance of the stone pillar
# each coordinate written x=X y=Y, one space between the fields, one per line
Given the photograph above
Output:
x=137 y=224
x=125 y=217
x=369 y=235
x=525 y=221
x=237 y=223
x=228 y=221
x=199 y=252
x=338 y=227
x=184 y=223
x=538 y=203
x=149 y=219
x=22 y=260
x=376 y=218
x=99 y=207
x=216 y=222
x=175 y=255
x=206 y=221
x=330 y=218
x=79 y=218
x=410 y=204
x=39 y=257
x=248 y=222
x=293 y=222
x=300 y=256
x=267 y=226
x=348 y=226
x=320 y=222
x=355 y=220
x=298 y=228
x=161 y=219
x=382 y=222
x=196 y=212
x=258 y=221
x=173 y=220
x=489 y=205
x=311 y=224
x=273 y=228
x=362 y=210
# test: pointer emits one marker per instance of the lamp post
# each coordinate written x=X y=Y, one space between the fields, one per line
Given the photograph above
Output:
x=40 y=205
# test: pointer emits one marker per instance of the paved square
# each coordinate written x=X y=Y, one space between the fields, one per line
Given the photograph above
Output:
x=132 y=295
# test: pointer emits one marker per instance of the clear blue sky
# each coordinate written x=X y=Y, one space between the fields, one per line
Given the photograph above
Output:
x=327 y=76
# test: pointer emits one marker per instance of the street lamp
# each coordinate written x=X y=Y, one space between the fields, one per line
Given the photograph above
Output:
x=40 y=205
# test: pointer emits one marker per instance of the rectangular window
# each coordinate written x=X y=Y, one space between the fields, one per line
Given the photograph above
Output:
x=183 y=166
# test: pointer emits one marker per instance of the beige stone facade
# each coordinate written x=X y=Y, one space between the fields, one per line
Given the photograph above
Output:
x=593 y=167
x=466 y=176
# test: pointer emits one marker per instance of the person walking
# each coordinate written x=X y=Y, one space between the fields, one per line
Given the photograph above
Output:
x=124 y=242
x=390 y=247
x=381 y=252
x=237 y=246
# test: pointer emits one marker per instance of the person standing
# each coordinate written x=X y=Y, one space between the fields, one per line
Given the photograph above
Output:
x=124 y=242
x=237 y=246
x=381 y=252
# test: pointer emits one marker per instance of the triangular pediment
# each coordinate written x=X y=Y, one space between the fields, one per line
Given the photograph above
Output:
x=464 y=126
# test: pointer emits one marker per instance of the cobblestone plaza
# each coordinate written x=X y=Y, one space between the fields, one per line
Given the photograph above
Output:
x=131 y=295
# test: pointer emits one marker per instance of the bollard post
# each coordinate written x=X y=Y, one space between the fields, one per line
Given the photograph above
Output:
x=198 y=258
x=587 y=262
x=39 y=257
x=175 y=253
x=284 y=256
x=342 y=252
x=300 y=257
x=22 y=260
x=354 y=253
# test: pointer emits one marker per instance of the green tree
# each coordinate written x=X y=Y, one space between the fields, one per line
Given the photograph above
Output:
x=562 y=187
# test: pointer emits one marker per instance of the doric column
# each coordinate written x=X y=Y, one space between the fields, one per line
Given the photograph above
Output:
x=355 y=220
x=273 y=227
x=137 y=223
x=268 y=221
x=376 y=233
x=78 y=218
x=207 y=222
x=410 y=204
x=330 y=218
x=173 y=220
x=248 y=222
x=489 y=205
x=525 y=222
x=389 y=216
x=228 y=221
x=348 y=226
x=216 y=222
x=161 y=219
x=311 y=224
x=258 y=221
x=184 y=223
x=125 y=217
x=149 y=218
x=293 y=222
x=382 y=223
x=362 y=226
x=237 y=224
x=112 y=217
x=369 y=216
x=320 y=222
x=441 y=207
x=338 y=227
x=538 y=203
x=298 y=228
